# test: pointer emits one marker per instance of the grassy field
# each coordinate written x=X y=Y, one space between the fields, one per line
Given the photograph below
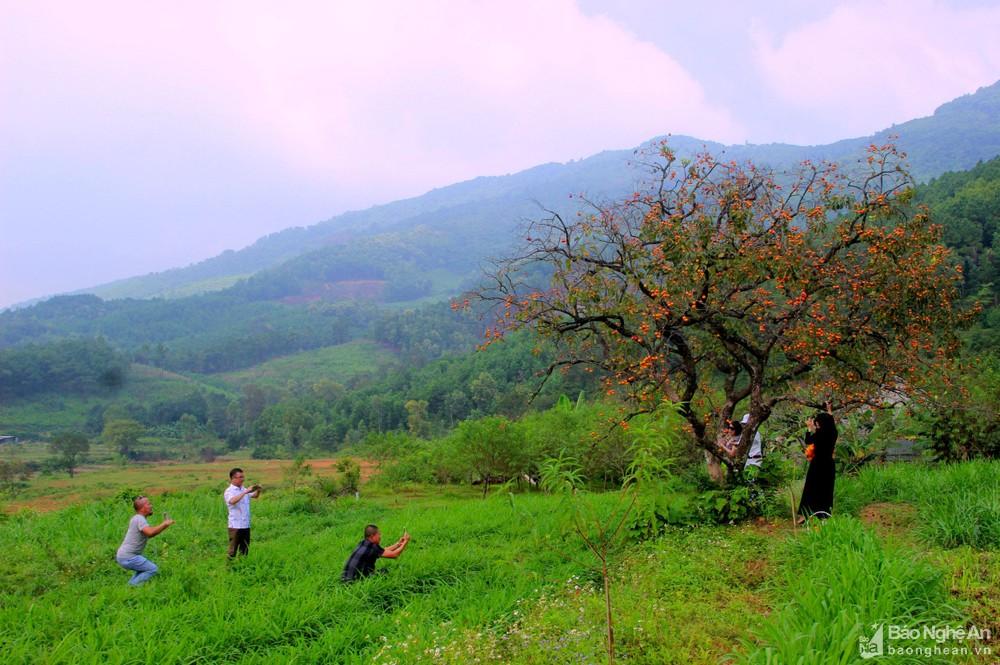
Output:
x=498 y=580
x=333 y=363
x=52 y=492
x=149 y=286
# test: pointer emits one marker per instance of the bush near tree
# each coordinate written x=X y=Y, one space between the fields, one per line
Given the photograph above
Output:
x=70 y=450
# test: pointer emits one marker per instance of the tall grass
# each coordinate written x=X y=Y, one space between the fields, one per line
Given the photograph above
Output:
x=65 y=600
x=686 y=597
x=489 y=579
x=839 y=580
x=957 y=504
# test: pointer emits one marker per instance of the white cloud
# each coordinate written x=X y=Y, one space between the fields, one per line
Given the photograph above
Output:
x=420 y=93
x=147 y=135
x=869 y=64
x=437 y=89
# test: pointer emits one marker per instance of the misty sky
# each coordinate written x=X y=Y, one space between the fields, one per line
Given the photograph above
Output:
x=139 y=136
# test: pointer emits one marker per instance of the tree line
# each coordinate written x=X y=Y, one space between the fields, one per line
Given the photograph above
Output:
x=75 y=366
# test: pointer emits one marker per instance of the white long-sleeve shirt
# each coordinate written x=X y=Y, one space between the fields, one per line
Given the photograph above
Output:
x=239 y=512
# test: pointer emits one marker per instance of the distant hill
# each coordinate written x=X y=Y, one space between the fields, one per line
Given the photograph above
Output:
x=380 y=276
x=959 y=134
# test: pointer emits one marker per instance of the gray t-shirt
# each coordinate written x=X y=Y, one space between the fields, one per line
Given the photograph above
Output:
x=135 y=539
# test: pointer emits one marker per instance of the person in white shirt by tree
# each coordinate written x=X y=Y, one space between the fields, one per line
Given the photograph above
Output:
x=756 y=454
x=238 y=504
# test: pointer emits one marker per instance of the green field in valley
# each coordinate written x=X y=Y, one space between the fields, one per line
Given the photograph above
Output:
x=333 y=363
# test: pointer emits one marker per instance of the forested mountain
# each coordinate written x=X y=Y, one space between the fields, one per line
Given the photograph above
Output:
x=967 y=205
x=485 y=205
x=957 y=136
x=342 y=280
x=381 y=279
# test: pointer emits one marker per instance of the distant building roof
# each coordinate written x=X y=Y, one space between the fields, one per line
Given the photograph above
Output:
x=903 y=450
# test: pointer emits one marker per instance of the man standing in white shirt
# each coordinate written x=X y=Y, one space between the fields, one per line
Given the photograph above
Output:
x=238 y=503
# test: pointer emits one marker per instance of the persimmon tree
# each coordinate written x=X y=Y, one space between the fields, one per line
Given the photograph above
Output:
x=727 y=285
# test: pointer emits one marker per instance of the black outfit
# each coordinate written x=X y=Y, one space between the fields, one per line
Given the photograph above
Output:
x=361 y=563
x=817 y=495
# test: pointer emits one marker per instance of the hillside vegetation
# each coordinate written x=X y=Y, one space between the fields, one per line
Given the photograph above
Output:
x=338 y=364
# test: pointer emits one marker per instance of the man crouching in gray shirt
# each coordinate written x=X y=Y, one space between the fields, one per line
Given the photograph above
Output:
x=129 y=555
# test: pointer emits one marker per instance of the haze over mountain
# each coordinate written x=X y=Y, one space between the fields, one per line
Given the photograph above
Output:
x=357 y=306
x=959 y=134
x=381 y=274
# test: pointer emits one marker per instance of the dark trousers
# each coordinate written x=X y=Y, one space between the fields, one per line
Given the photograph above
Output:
x=239 y=541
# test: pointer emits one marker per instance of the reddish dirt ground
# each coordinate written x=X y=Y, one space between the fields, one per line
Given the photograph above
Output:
x=895 y=518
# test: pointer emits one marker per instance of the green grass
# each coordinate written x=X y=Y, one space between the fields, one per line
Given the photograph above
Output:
x=674 y=603
x=57 y=490
x=499 y=579
x=282 y=604
x=36 y=451
x=957 y=504
x=333 y=363
x=837 y=581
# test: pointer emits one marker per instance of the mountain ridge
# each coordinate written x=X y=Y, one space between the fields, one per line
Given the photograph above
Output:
x=971 y=121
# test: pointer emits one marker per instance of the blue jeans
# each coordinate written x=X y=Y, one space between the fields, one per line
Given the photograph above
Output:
x=143 y=567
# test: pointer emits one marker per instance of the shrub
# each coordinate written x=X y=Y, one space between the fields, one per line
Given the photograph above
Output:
x=328 y=486
x=865 y=435
x=351 y=480
x=127 y=494
x=296 y=473
x=493 y=448
x=963 y=422
x=13 y=477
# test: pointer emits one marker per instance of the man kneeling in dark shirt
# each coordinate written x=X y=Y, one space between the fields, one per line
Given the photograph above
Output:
x=361 y=563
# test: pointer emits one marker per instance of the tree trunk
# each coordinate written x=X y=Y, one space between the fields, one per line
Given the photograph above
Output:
x=607 y=608
x=715 y=469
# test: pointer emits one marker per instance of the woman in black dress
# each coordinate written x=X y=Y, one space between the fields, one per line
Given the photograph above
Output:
x=817 y=495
